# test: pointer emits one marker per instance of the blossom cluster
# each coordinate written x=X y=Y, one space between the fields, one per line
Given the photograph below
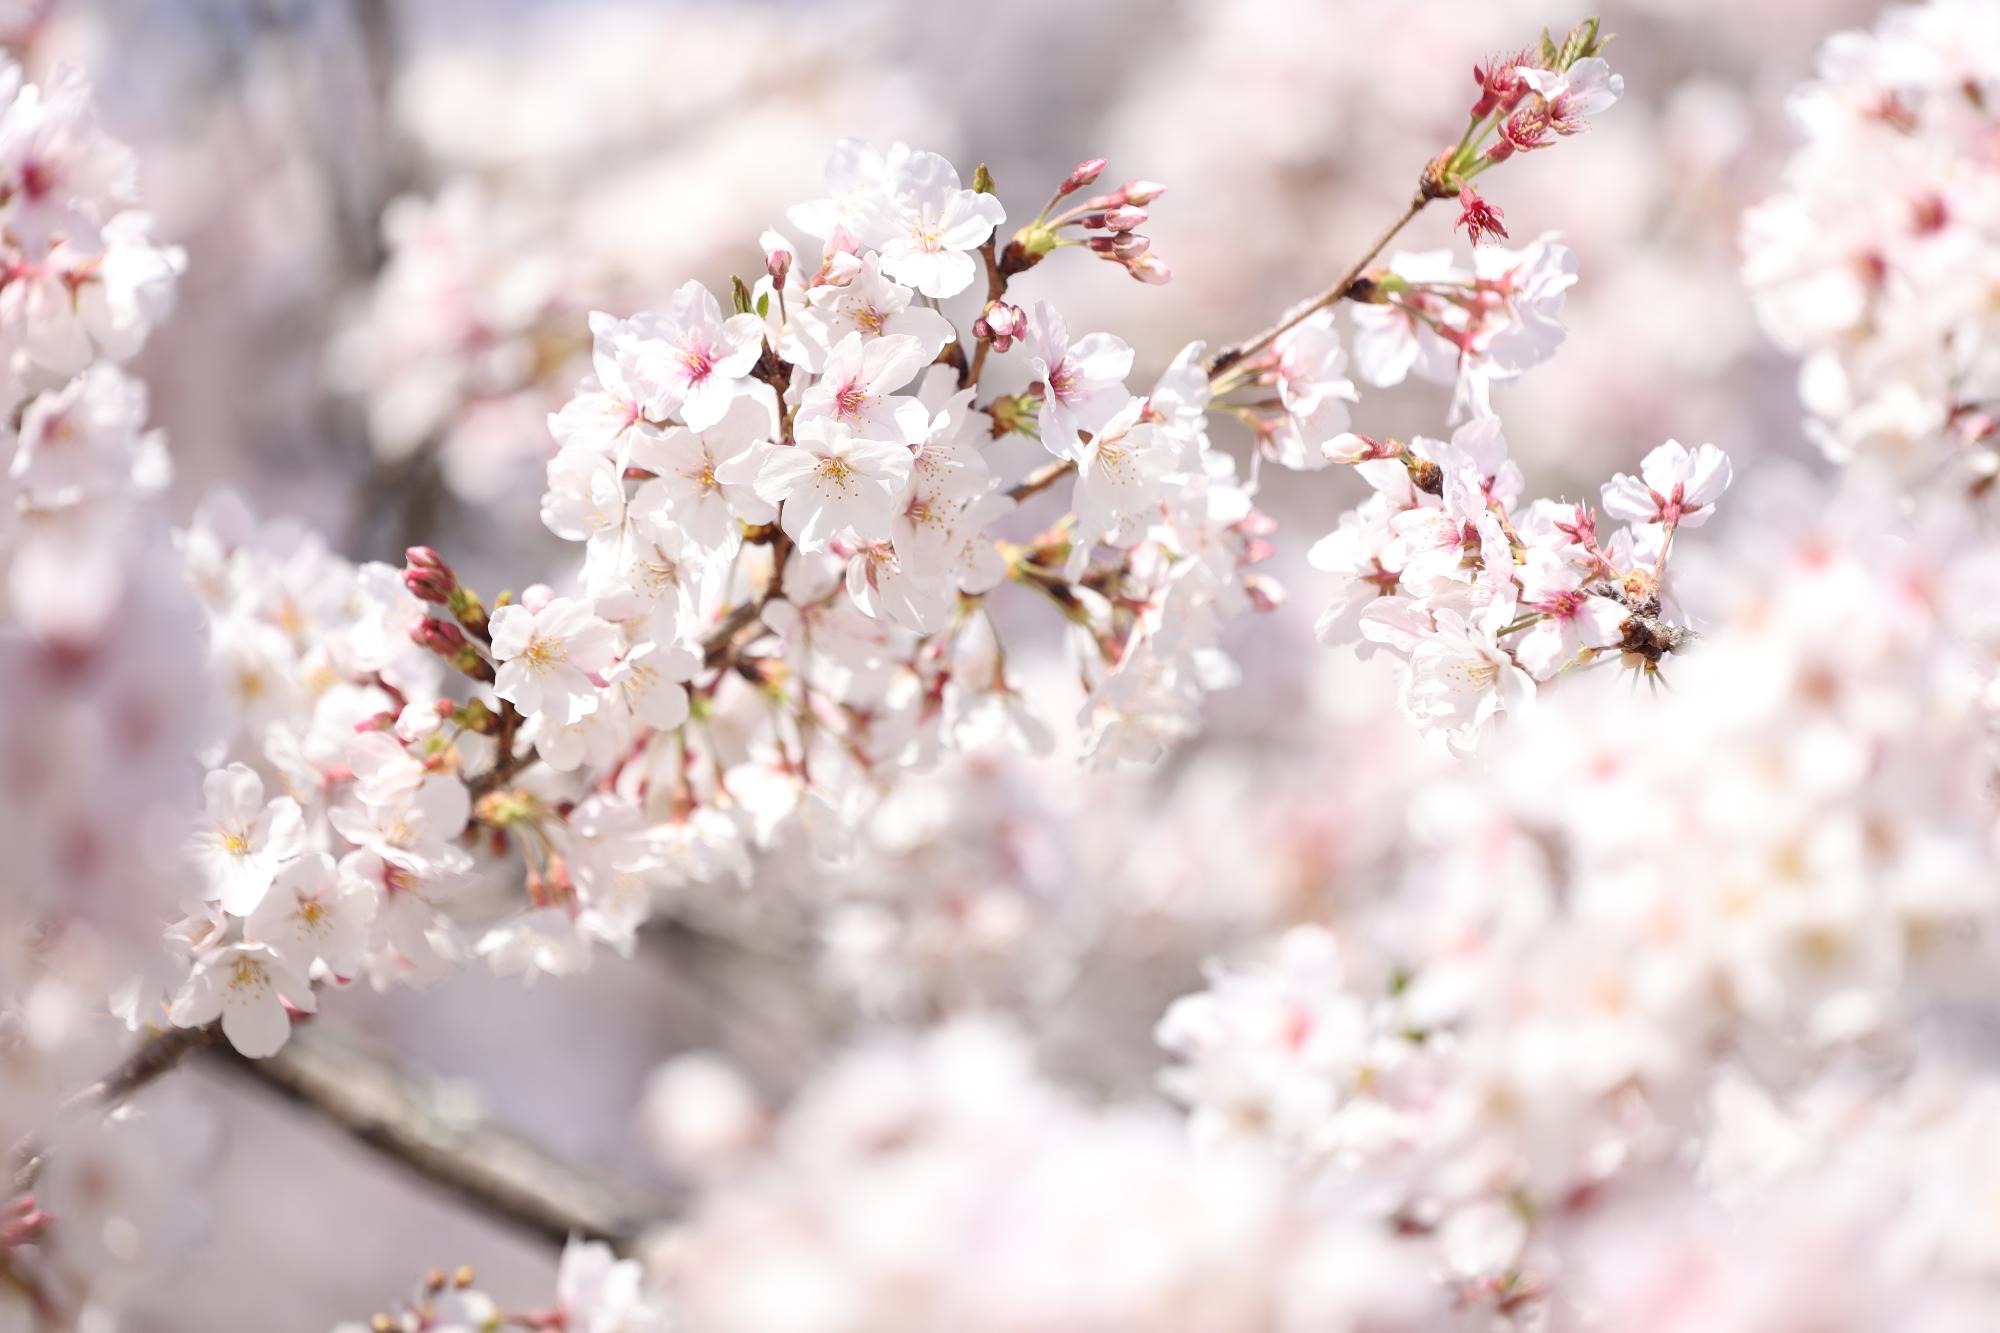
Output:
x=793 y=534
x=1786 y=867
x=1875 y=261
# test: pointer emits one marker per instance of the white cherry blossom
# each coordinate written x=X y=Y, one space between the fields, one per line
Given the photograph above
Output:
x=548 y=657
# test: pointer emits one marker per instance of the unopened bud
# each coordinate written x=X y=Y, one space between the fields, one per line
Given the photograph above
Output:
x=536 y=596
x=427 y=576
x=464 y=603
x=1001 y=324
x=778 y=264
x=1124 y=219
x=1149 y=269
x=1086 y=173
x=1124 y=246
x=476 y=716
x=440 y=636
x=1141 y=193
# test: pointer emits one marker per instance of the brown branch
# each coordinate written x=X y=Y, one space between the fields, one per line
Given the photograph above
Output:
x=1043 y=477
x=160 y=1052
x=484 y=1162
x=1229 y=356
x=996 y=287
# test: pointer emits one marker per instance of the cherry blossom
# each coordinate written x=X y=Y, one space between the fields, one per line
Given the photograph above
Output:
x=1083 y=383
x=857 y=389
x=704 y=482
x=313 y=919
x=250 y=988
x=242 y=840
x=699 y=358
x=548 y=657
x=833 y=482
x=1676 y=486
x=926 y=226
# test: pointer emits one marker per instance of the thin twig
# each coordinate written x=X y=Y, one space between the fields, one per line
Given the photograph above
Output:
x=1043 y=477
x=161 y=1051
x=1229 y=356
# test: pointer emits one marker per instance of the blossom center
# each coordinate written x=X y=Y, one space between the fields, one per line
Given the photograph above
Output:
x=544 y=655
x=698 y=362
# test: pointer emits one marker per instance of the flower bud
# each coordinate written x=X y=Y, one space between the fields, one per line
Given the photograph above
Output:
x=440 y=636
x=1149 y=269
x=1123 y=219
x=1001 y=324
x=1140 y=193
x=778 y=264
x=1086 y=173
x=427 y=576
x=536 y=596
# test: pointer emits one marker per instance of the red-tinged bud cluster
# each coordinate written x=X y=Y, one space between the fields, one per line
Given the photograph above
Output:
x=427 y=576
x=1001 y=324
x=1114 y=218
x=1481 y=220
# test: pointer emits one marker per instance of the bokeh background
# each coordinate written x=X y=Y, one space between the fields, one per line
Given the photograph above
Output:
x=398 y=212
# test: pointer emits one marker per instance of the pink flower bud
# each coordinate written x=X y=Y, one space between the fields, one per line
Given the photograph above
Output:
x=1123 y=219
x=1148 y=268
x=1141 y=193
x=427 y=576
x=778 y=264
x=440 y=636
x=1001 y=324
x=536 y=596
x=1086 y=173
